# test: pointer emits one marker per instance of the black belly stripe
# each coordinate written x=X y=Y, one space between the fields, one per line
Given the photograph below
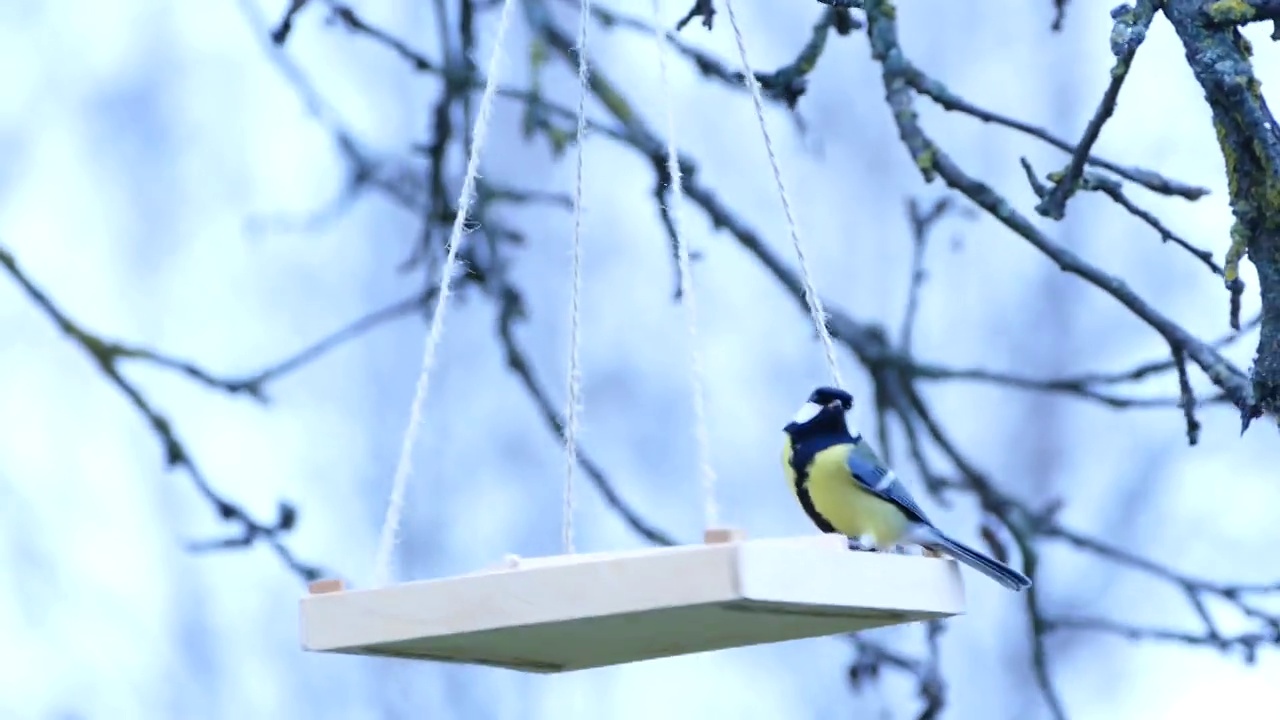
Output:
x=801 y=455
x=806 y=502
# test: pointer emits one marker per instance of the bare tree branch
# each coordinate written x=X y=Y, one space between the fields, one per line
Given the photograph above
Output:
x=1250 y=142
x=512 y=311
x=1242 y=597
x=1130 y=31
x=934 y=162
x=872 y=658
x=107 y=356
x=936 y=91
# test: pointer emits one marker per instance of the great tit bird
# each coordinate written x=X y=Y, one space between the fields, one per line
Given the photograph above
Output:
x=843 y=487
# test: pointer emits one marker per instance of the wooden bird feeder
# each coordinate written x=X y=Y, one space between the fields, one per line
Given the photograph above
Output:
x=571 y=612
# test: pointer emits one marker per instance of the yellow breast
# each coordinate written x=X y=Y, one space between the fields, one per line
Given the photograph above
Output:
x=848 y=508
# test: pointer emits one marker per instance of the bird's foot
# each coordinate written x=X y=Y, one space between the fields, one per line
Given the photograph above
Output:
x=866 y=543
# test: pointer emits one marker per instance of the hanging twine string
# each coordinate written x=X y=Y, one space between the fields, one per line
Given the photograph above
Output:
x=816 y=311
x=395 y=506
x=707 y=471
x=574 y=403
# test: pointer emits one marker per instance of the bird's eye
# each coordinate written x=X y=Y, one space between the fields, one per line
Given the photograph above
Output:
x=807 y=412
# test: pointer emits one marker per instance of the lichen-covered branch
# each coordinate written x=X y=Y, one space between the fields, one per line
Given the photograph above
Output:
x=1219 y=57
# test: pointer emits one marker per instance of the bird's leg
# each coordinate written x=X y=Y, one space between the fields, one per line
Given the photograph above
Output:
x=865 y=543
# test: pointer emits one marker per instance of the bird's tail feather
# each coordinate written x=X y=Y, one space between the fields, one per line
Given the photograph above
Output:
x=983 y=563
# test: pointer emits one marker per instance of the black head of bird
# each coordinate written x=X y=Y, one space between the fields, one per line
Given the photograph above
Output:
x=822 y=412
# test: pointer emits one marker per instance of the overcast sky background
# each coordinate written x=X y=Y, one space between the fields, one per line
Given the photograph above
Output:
x=145 y=143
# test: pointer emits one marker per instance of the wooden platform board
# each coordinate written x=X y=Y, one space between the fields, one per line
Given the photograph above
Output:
x=581 y=611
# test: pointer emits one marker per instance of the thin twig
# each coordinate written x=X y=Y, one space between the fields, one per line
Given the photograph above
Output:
x=1129 y=32
x=107 y=355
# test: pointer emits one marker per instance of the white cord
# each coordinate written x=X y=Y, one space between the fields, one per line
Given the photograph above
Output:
x=688 y=297
x=816 y=311
x=395 y=507
x=575 y=310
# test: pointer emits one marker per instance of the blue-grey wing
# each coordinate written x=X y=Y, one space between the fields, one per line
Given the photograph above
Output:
x=881 y=482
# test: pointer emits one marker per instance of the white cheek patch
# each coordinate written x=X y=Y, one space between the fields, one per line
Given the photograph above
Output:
x=807 y=412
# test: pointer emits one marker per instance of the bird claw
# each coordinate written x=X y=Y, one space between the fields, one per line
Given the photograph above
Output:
x=862 y=544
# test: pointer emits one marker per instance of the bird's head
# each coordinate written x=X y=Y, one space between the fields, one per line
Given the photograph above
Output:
x=823 y=412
